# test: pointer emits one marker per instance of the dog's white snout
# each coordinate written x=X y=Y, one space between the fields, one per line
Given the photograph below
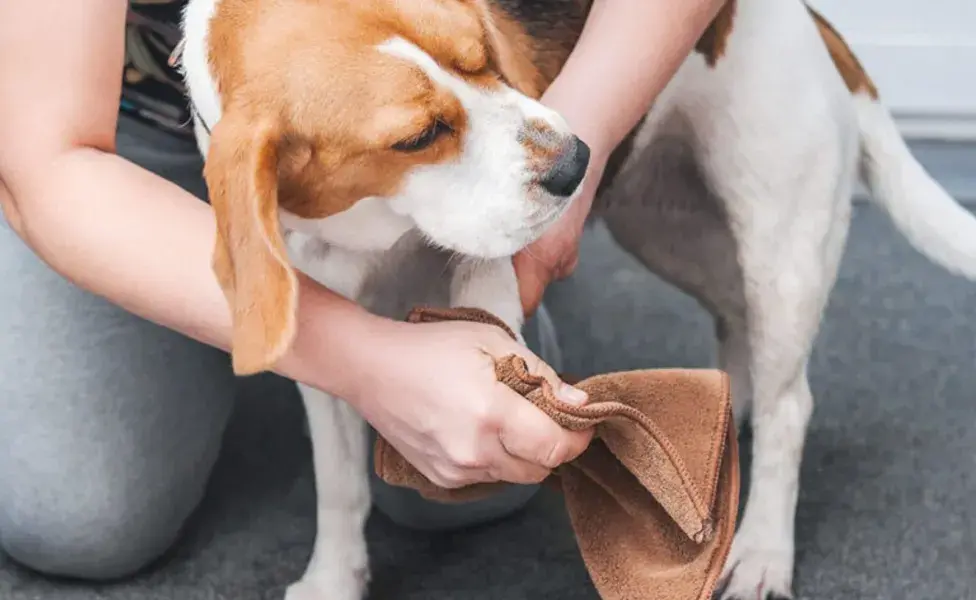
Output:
x=535 y=110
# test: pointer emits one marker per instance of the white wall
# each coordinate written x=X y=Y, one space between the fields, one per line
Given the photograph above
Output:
x=922 y=56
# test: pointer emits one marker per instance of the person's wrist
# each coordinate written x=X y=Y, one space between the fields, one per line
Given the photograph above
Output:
x=569 y=228
x=336 y=343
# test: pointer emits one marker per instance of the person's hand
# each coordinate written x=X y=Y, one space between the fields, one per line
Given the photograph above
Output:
x=555 y=254
x=437 y=401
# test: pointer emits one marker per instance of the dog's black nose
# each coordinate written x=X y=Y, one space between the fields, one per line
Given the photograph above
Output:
x=569 y=170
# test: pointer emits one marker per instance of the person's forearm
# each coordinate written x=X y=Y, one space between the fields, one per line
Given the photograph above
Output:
x=145 y=244
x=629 y=51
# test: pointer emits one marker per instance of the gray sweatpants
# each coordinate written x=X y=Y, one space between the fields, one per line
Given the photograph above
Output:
x=110 y=425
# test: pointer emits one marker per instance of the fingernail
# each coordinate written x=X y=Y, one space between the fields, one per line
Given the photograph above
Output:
x=572 y=395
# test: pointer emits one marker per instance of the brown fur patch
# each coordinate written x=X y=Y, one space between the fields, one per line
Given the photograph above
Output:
x=542 y=34
x=855 y=77
x=714 y=39
x=513 y=52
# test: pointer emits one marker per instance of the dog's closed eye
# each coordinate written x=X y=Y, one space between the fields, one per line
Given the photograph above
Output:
x=424 y=139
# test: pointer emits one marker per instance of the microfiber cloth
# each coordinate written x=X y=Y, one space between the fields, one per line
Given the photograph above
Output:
x=653 y=499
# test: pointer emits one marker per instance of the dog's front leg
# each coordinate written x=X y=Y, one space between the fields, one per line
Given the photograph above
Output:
x=339 y=566
x=489 y=285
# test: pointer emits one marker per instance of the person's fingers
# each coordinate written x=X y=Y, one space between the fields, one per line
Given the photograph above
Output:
x=534 y=436
x=512 y=469
x=568 y=266
x=500 y=466
x=438 y=472
x=529 y=434
x=525 y=431
x=538 y=367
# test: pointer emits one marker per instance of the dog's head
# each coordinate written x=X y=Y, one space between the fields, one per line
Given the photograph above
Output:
x=357 y=119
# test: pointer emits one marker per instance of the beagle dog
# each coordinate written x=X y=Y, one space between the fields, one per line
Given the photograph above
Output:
x=344 y=136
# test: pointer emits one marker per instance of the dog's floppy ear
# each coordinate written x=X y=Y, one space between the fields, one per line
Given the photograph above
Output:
x=249 y=259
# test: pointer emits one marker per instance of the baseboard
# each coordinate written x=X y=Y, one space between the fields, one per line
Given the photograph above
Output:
x=921 y=75
x=959 y=128
x=927 y=86
x=925 y=82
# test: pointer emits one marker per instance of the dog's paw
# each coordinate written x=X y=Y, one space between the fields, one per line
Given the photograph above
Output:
x=756 y=571
x=347 y=585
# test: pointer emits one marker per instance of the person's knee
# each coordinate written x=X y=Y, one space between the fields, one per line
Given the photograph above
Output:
x=410 y=510
x=99 y=534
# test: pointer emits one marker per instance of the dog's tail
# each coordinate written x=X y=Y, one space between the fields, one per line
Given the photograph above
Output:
x=934 y=223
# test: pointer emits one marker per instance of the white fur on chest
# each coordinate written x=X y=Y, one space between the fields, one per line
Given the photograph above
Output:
x=195 y=65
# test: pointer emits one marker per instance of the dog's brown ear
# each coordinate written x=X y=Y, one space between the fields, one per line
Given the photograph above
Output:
x=511 y=49
x=249 y=259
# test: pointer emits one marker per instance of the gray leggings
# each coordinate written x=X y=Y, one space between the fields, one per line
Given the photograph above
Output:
x=110 y=425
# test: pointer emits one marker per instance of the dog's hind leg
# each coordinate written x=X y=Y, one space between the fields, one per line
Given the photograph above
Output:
x=759 y=249
x=791 y=225
x=785 y=292
x=780 y=330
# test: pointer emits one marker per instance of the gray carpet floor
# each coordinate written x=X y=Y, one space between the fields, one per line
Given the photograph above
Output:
x=887 y=508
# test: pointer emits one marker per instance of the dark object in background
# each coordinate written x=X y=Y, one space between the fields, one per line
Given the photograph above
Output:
x=152 y=88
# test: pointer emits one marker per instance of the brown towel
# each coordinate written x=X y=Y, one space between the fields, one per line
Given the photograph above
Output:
x=653 y=500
